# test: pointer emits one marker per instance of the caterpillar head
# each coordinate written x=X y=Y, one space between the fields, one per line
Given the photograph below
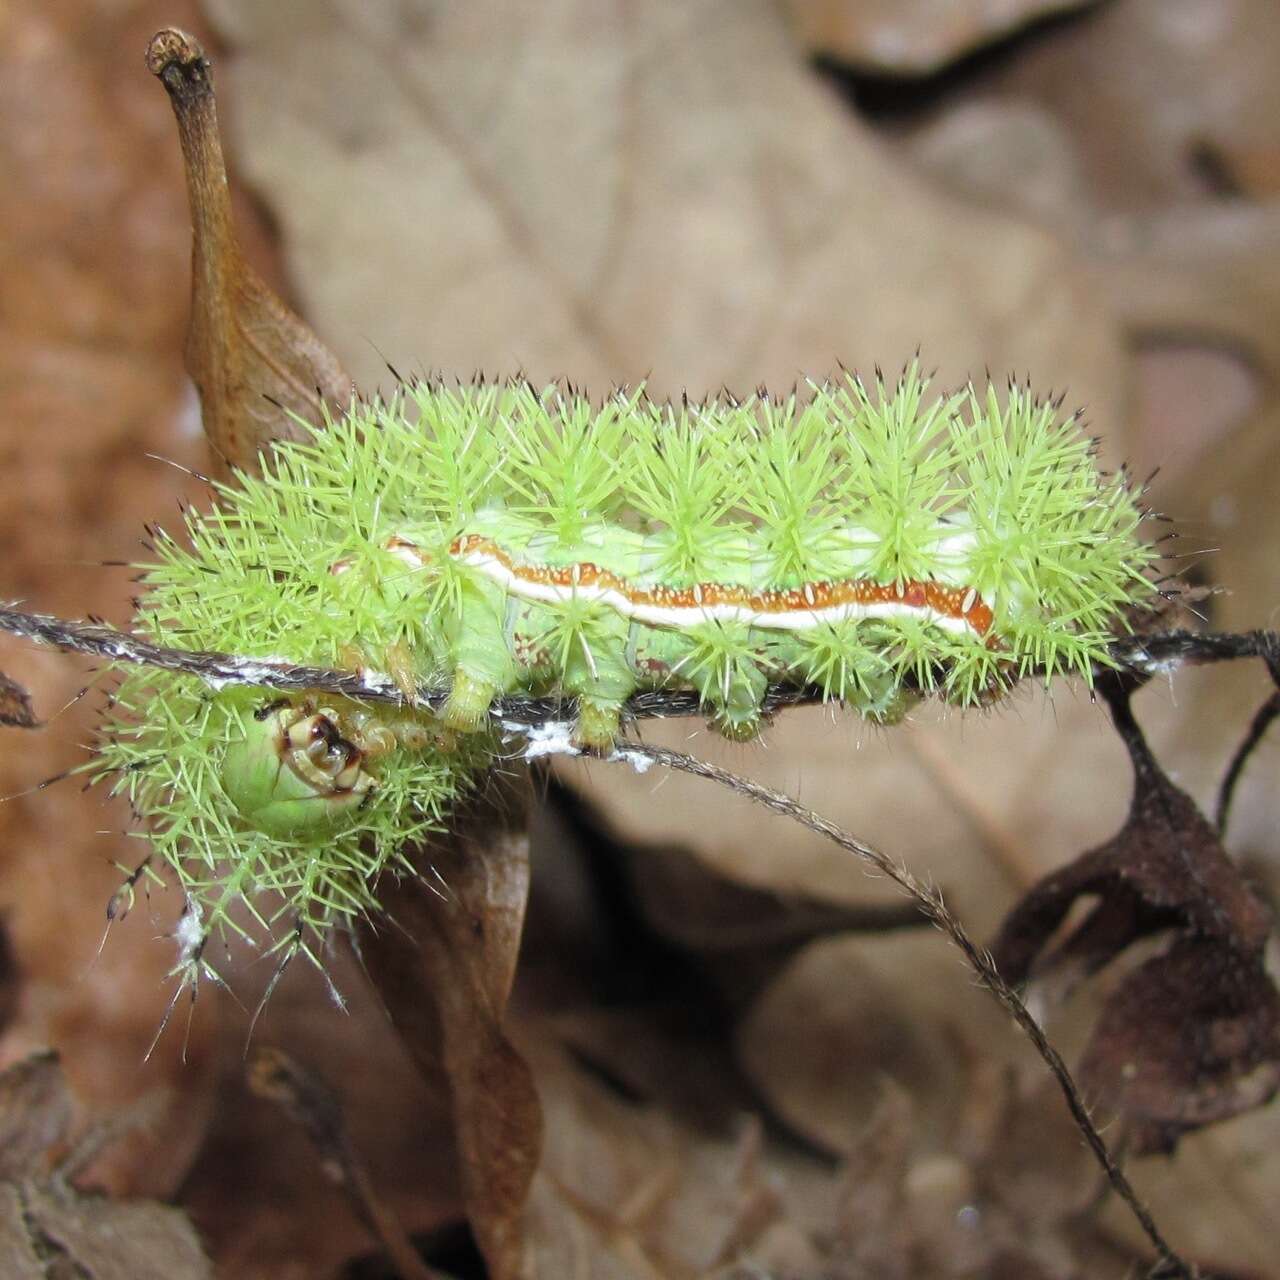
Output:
x=303 y=769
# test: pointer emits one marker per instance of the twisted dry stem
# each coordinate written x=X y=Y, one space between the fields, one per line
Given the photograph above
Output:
x=1141 y=655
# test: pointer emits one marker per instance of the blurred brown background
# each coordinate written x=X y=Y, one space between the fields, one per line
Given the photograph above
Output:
x=697 y=194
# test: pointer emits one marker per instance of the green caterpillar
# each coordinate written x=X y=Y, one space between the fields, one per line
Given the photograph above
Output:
x=874 y=544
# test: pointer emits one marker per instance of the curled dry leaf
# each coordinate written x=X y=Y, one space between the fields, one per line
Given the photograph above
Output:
x=1193 y=1035
x=1164 y=869
x=255 y=362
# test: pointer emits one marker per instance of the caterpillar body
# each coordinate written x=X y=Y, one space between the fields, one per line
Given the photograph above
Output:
x=871 y=543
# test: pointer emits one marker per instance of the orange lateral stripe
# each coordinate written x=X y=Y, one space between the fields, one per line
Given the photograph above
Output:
x=938 y=597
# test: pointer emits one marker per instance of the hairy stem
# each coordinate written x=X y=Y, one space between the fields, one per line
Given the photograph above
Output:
x=979 y=959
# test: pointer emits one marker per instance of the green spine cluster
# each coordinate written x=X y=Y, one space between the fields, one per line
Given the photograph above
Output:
x=991 y=492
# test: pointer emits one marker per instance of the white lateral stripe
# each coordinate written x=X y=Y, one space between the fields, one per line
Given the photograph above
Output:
x=677 y=616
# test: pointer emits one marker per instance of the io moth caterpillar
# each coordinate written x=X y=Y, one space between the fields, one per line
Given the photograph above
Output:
x=872 y=543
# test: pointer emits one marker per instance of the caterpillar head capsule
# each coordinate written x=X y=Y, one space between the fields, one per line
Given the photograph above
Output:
x=299 y=770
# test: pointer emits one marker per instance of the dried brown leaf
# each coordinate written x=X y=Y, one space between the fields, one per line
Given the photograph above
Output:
x=871 y=1225
x=443 y=963
x=673 y=927
x=850 y=1013
x=666 y=194
x=625 y=1192
x=1220 y=1190
x=1006 y=1204
x=254 y=361
x=19 y=1258
x=264 y=1202
x=1148 y=91
x=10 y=980
x=700 y=909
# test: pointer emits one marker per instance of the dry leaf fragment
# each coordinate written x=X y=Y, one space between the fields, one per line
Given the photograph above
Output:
x=670 y=925
x=19 y=1259
x=51 y=1231
x=1012 y=1199
x=849 y=1014
x=10 y=979
x=15 y=705
x=626 y=1192
x=1147 y=87
x=1165 y=868
x=700 y=909
x=1193 y=1035
x=92 y=257
x=661 y=192
x=871 y=1226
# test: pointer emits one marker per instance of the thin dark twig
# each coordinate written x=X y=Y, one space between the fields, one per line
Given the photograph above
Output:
x=931 y=903
x=1262 y=720
x=1270 y=654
